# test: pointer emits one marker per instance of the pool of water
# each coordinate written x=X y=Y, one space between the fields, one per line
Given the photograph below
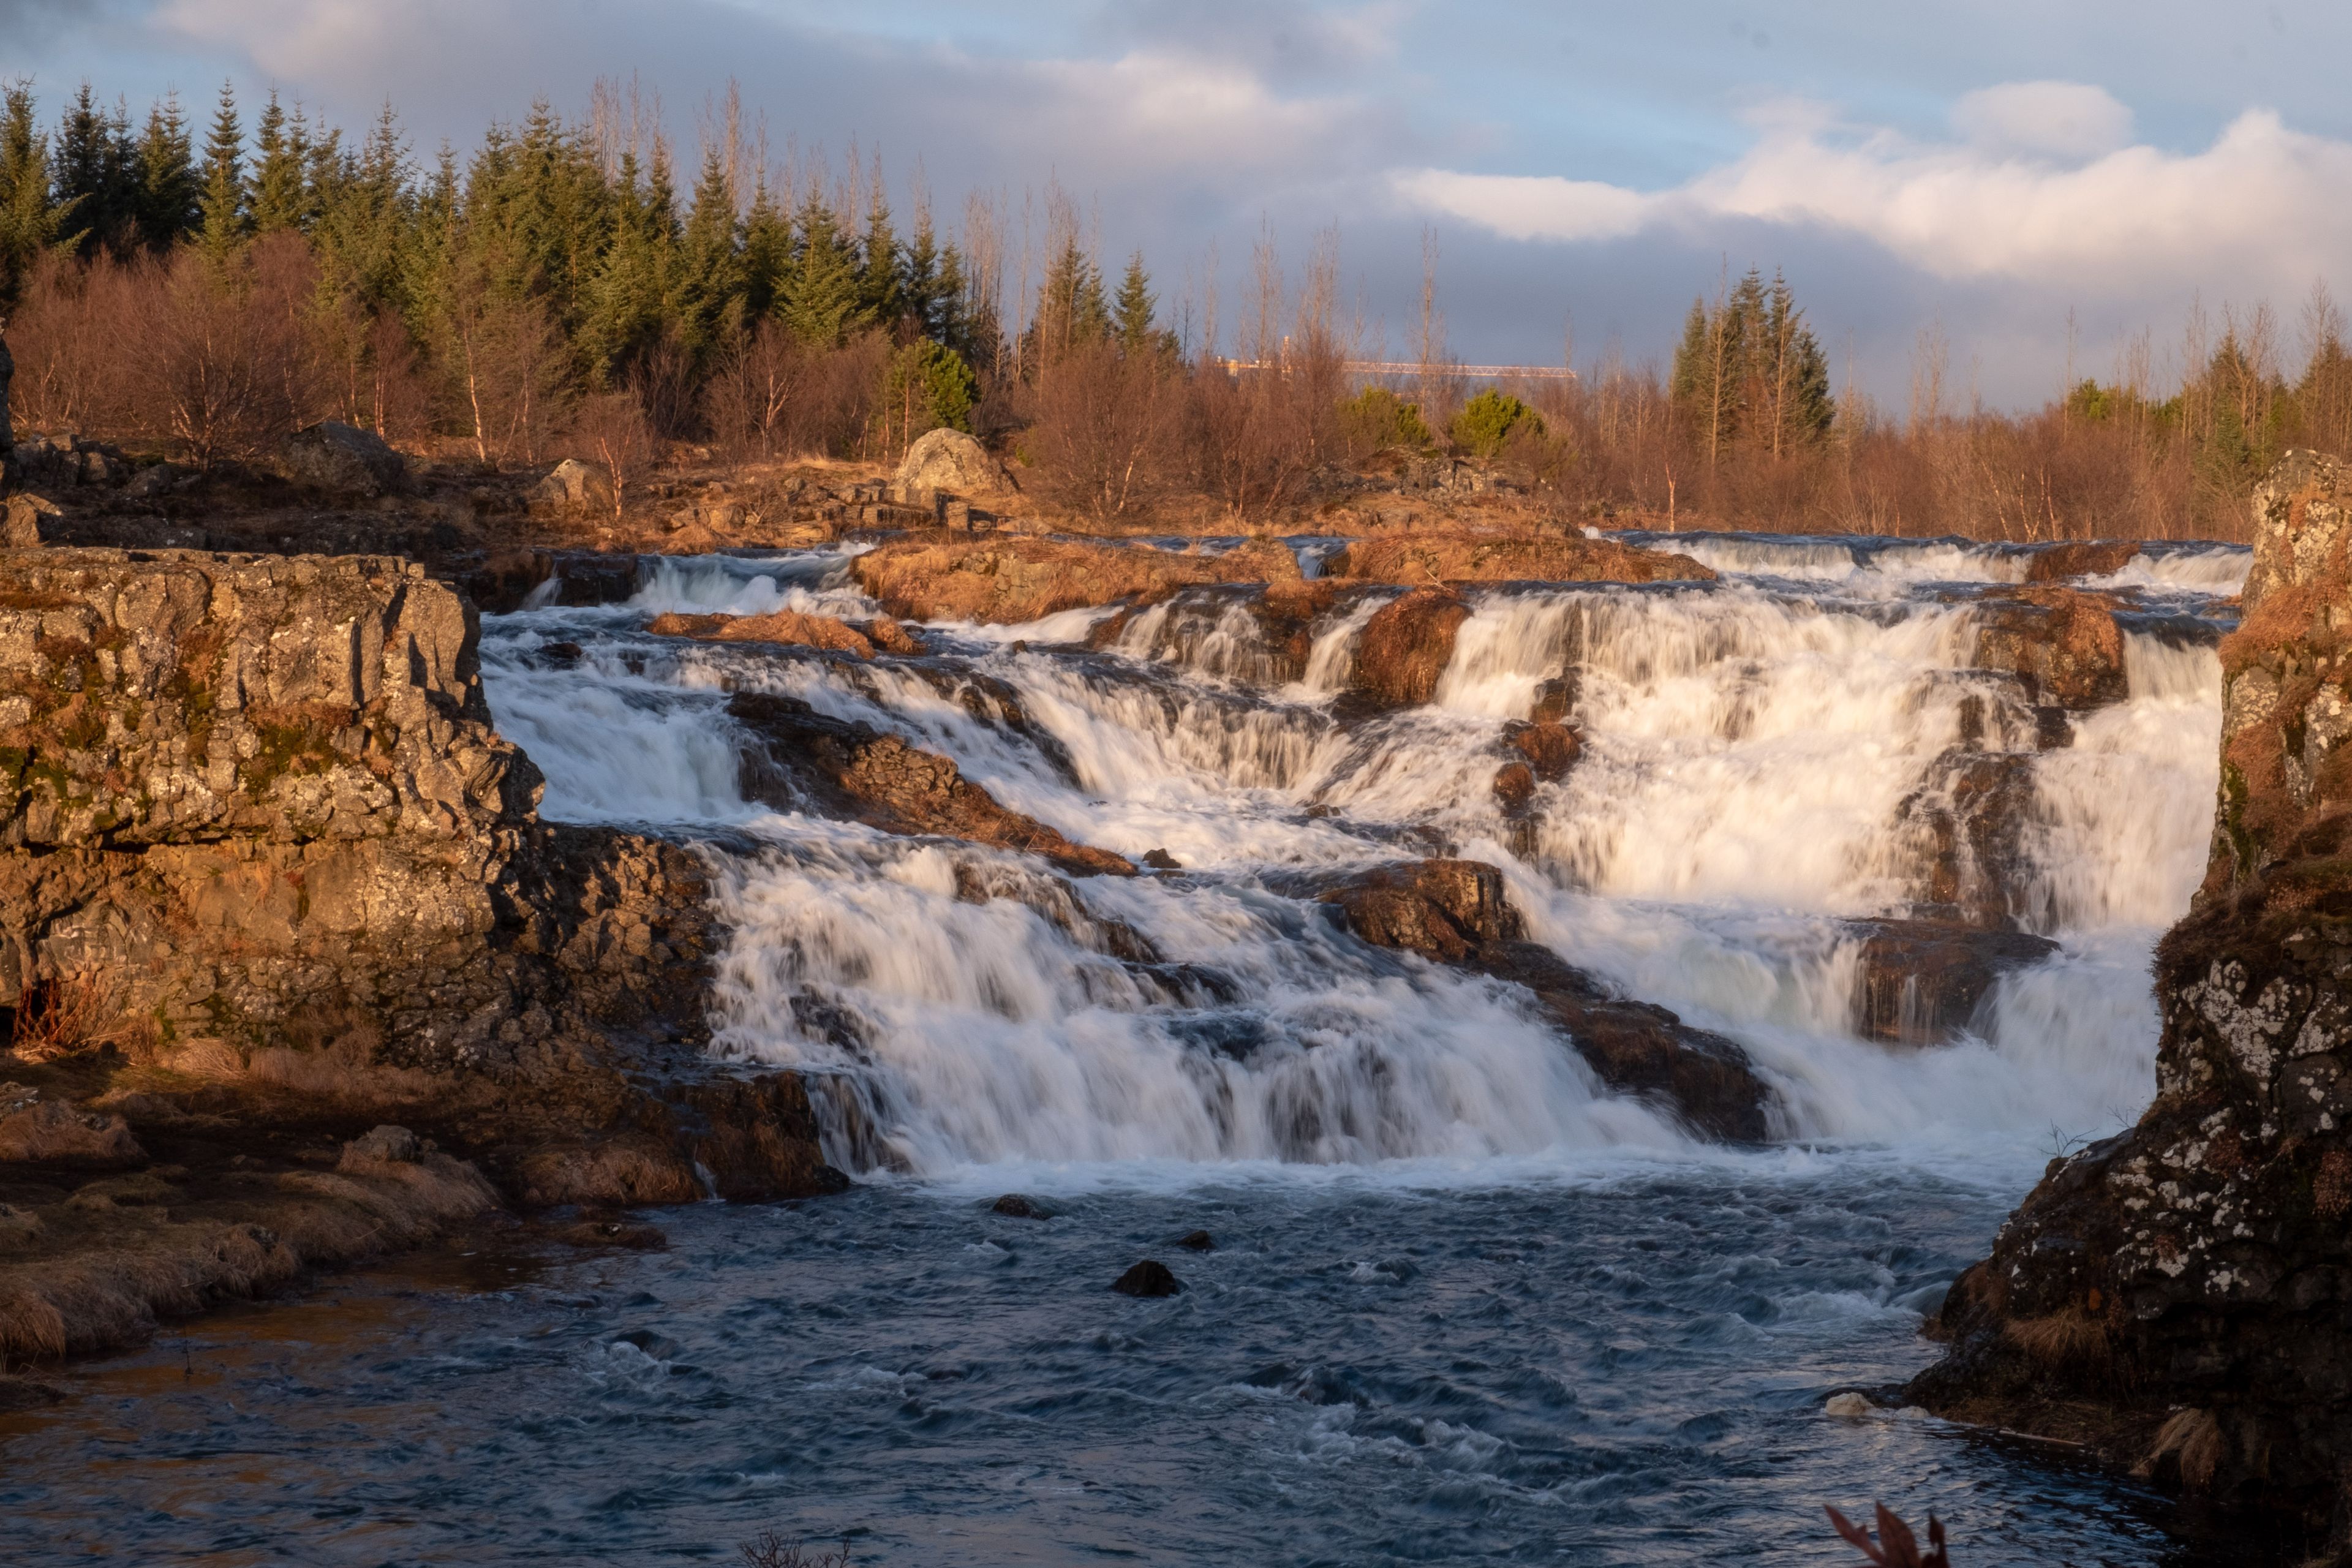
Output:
x=1614 y=1363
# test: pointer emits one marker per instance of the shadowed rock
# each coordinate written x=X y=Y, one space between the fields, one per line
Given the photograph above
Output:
x=1148 y=1278
x=1418 y=558
x=844 y=768
x=1456 y=911
x=2080 y=558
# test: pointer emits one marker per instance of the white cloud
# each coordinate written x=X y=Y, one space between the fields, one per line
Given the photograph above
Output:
x=2059 y=118
x=2261 y=209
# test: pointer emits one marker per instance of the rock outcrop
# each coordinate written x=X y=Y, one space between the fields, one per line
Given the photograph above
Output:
x=1421 y=558
x=790 y=628
x=1008 y=580
x=1457 y=911
x=2180 y=1297
x=268 y=871
x=842 y=767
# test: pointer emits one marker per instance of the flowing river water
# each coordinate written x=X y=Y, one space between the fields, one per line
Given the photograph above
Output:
x=1464 y=1306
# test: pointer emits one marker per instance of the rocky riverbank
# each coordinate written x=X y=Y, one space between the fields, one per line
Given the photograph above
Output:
x=2179 y=1298
x=268 y=879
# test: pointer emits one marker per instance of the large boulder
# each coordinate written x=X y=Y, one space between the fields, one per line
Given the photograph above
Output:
x=2178 y=1297
x=20 y=520
x=343 y=461
x=2063 y=646
x=1405 y=647
x=571 y=486
x=951 y=461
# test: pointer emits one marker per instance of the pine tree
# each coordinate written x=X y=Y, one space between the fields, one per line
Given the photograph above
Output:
x=766 y=255
x=1071 y=310
x=29 y=220
x=225 y=224
x=881 y=292
x=171 y=195
x=926 y=302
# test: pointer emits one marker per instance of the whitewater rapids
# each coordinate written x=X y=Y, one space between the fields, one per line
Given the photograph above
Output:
x=1749 y=749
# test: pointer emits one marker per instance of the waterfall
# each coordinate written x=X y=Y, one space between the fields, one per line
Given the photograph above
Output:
x=1768 y=759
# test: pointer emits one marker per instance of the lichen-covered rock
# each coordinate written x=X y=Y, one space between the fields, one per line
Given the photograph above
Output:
x=2180 y=1297
x=951 y=461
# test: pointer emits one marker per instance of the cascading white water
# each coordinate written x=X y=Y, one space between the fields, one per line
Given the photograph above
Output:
x=1756 y=753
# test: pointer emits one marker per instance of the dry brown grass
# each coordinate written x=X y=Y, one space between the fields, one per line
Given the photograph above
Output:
x=2070 y=1339
x=2191 y=1441
x=66 y=1015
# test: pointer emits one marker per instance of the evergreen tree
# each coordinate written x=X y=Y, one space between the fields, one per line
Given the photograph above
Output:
x=927 y=302
x=1071 y=309
x=170 y=195
x=767 y=253
x=881 y=292
x=92 y=169
x=224 y=227
x=29 y=220
x=1749 y=369
x=706 y=287
x=1132 y=312
x=822 y=299
x=279 y=196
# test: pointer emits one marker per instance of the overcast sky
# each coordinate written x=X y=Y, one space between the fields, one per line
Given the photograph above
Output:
x=1986 y=167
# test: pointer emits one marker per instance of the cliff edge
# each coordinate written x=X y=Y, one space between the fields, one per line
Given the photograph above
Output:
x=2178 y=1297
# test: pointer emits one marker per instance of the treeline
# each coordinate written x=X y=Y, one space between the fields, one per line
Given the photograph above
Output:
x=568 y=288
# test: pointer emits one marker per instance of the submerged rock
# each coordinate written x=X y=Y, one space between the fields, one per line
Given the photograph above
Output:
x=2079 y=558
x=1148 y=1278
x=1197 y=1241
x=2178 y=1297
x=845 y=768
x=1020 y=1205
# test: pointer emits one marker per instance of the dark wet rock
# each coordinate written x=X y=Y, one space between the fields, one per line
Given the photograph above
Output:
x=1554 y=699
x=1197 y=1241
x=1148 y=1278
x=1161 y=860
x=1457 y=911
x=1964 y=833
x=498 y=582
x=890 y=637
x=849 y=769
x=1920 y=982
x=1446 y=557
x=1020 y=1205
x=2064 y=646
x=659 y=1346
x=2178 y=1297
x=1405 y=647
x=1515 y=786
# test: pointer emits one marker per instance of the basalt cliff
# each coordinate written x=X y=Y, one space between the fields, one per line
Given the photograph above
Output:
x=293 y=969
x=2178 y=1297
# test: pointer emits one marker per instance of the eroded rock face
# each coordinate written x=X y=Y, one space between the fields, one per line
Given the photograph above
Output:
x=849 y=769
x=1418 y=558
x=1456 y=911
x=2180 y=1296
x=1007 y=579
x=255 y=807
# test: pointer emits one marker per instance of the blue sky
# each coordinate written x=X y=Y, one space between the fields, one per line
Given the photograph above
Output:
x=1981 y=168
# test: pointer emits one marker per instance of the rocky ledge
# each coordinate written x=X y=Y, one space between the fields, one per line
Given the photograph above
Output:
x=269 y=880
x=2178 y=1297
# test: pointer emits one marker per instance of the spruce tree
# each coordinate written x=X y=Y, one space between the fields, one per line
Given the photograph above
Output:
x=171 y=194
x=29 y=220
x=1071 y=310
x=706 y=296
x=822 y=299
x=92 y=172
x=224 y=227
x=881 y=293
x=1131 y=313
x=766 y=255
x=281 y=150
